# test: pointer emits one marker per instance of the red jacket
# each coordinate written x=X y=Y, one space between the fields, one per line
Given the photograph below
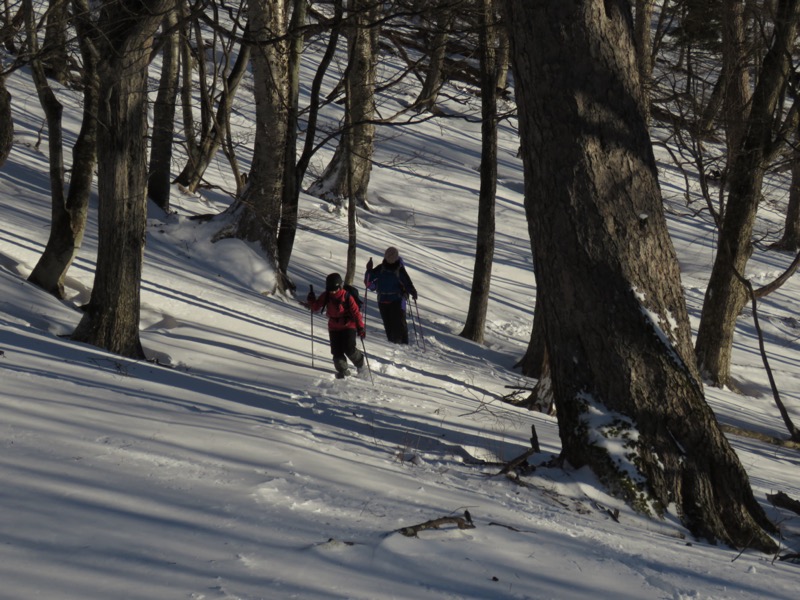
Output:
x=342 y=310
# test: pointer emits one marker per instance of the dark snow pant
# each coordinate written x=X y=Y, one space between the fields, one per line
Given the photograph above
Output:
x=343 y=346
x=394 y=321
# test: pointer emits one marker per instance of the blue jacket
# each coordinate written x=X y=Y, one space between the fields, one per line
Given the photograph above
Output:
x=391 y=281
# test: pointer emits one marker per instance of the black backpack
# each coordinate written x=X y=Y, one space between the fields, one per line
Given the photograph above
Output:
x=351 y=289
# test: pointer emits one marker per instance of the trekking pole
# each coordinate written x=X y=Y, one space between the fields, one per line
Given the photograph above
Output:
x=366 y=297
x=311 y=312
x=366 y=361
x=413 y=325
x=422 y=337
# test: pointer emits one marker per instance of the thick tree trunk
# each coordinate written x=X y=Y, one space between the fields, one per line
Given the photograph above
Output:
x=68 y=214
x=726 y=295
x=126 y=30
x=54 y=52
x=257 y=213
x=642 y=36
x=475 y=325
x=622 y=369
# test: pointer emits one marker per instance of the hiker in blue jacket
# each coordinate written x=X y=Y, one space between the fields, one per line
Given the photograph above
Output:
x=393 y=285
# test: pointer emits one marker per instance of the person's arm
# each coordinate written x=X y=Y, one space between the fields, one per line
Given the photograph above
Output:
x=405 y=279
x=316 y=303
x=369 y=276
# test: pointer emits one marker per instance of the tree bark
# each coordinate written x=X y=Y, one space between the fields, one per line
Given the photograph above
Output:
x=434 y=74
x=354 y=153
x=202 y=147
x=290 y=203
x=257 y=212
x=6 y=122
x=111 y=319
x=726 y=295
x=790 y=240
x=68 y=211
x=475 y=326
x=616 y=325
x=159 y=182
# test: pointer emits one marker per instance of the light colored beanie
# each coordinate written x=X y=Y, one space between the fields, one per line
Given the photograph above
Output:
x=391 y=255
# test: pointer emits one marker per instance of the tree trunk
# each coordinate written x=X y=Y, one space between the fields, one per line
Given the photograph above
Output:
x=532 y=362
x=735 y=75
x=54 y=52
x=126 y=30
x=159 y=182
x=69 y=213
x=617 y=330
x=6 y=122
x=475 y=325
x=354 y=155
x=203 y=147
x=257 y=213
x=426 y=100
x=790 y=240
x=291 y=196
x=642 y=36
x=726 y=295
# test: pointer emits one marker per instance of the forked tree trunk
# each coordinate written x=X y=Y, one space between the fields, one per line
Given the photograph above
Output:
x=69 y=209
x=726 y=295
x=434 y=74
x=126 y=30
x=618 y=338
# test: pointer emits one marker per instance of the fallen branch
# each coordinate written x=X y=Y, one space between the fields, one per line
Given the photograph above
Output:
x=783 y=500
x=464 y=522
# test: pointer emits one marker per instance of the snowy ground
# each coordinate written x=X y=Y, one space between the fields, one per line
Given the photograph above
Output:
x=238 y=468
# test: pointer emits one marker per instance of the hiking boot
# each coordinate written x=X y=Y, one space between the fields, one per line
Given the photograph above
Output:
x=342 y=374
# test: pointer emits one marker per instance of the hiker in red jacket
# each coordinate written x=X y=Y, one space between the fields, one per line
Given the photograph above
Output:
x=344 y=322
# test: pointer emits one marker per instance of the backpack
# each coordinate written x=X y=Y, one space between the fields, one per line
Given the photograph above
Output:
x=353 y=291
x=350 y=291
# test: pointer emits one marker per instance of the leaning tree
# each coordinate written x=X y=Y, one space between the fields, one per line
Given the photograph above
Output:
x=622 y=368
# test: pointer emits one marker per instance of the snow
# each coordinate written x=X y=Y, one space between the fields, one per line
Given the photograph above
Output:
x=231 y=468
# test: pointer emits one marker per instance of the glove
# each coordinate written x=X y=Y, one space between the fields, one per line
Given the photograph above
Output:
x=362 y=333
x=369 y=264
x=414 y=295
x=311 y=297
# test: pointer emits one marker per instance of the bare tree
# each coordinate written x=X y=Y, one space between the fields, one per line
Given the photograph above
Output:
x=256 y=214
x=160 y=178
x=475 y=325
x=125 y=36
x=69 y=207
x=349 y=169
x=217 y=83
x=621 y=362
x=726 y=295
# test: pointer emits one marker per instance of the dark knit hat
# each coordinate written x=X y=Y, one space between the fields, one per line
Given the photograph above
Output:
x=392 y=255
x=333 y=282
